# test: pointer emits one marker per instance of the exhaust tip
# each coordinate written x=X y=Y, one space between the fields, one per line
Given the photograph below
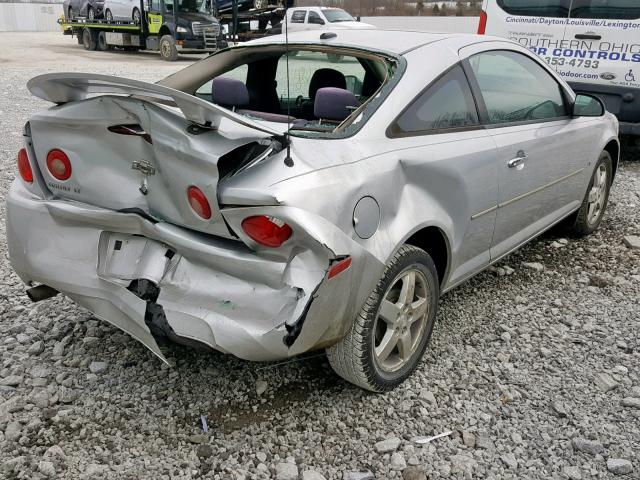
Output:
x=41 y=292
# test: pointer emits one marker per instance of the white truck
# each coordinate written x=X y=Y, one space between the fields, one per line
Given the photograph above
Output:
x=593 y=44
x=321 y=18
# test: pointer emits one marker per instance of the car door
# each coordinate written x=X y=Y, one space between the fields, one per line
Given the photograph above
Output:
x=451 y=158
x=542 y=152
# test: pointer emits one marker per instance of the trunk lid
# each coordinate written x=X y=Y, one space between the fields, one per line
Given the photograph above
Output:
x=150 y=160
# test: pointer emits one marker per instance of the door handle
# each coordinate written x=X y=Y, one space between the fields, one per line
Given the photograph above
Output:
x=518 y=162
x=588 y=36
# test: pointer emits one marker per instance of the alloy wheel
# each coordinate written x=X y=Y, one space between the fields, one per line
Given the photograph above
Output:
x=401 y=320
x=597 y=194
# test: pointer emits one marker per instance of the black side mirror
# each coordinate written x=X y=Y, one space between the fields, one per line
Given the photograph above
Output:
x=587 y=105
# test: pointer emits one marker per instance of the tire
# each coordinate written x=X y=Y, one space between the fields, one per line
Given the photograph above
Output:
x=91 y=14
x=260 y=4
x=354 y=357
x=334 y=57
x=89 y=39
x=103 y=46
x=168 y=50
x=108 y=15
x=588 y=217
x=136 y=16
x=70 y=15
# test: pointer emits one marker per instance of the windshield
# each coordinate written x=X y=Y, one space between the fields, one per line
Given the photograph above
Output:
x=193 y=6
x=336 y=15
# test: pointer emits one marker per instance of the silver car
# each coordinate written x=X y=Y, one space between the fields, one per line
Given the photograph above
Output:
x=266 y=201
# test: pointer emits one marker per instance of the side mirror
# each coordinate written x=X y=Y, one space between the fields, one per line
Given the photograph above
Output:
x=587 y=105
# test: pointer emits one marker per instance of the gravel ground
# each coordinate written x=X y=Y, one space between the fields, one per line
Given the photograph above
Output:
x=534 y=371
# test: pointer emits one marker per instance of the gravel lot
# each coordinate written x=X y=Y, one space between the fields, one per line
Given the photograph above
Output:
x=535 y=372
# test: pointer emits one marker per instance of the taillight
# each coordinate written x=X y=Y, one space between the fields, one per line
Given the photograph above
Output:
x=24 y=167
x=58 y=164
x=482 y=26
x=267 y=231
x=199 y=203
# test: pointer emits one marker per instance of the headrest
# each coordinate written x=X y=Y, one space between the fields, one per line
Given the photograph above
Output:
x=325 y=77
x=331 y=103
x=229 y=92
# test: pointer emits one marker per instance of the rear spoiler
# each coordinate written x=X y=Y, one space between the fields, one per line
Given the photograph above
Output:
x=71 y=87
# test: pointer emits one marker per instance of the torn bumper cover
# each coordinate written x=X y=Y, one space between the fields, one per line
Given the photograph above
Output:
x=211 y=290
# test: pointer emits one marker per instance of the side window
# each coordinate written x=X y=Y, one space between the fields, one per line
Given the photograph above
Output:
x=446 y=104
x=607 y=9
x=537 y=8
x=315 y=18
x=298 y=16
x=155 y=6
x=515 y=88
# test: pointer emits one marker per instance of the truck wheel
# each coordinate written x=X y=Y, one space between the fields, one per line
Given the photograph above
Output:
x=136 y=16
x=91 y=14
x=102 y=42
x=390 y=334
x=89 y=39
x=168 y=50
x=70 y=15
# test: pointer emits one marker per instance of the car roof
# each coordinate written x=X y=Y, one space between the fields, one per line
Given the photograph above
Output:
x=393 y=41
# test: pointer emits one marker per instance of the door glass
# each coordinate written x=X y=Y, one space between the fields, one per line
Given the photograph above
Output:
x=315 y=18
x=238 y=73
x=610 y=9
x=298 y=16
x=448 y=103
x=516 y=89
x=536 y=8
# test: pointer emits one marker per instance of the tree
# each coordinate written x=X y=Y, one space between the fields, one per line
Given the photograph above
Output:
x=436 y=9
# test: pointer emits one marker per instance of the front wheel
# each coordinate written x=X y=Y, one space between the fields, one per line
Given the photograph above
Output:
x=588 y=218
x=108 y=15
x=168 y=50
x=390 y=334
x=91 y=14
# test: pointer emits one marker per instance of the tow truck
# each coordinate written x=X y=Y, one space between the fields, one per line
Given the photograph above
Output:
x=186 y=26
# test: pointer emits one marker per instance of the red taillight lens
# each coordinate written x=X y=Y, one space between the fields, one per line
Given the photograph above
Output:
x=24 y=167
x=267 y=231
x=58 y=164
x=482 y=26
x=199 y=203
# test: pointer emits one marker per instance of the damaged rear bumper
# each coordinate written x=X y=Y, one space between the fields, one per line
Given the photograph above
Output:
x=212 y=291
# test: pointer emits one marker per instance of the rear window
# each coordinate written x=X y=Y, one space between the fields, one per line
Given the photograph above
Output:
x=536 y=8
x=608 y=9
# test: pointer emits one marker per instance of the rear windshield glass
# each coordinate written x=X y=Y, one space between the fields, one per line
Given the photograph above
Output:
x=608 y=9
x=536 y=8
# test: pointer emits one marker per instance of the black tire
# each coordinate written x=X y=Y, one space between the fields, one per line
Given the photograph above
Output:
x=102 y=42
x=91 y=14
x=334 y=57
x=108 y=15
x=136 y=16
x=70 y=15
x=354 y=357
x=582 y=222
x=89 y=39
x=168 y=50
